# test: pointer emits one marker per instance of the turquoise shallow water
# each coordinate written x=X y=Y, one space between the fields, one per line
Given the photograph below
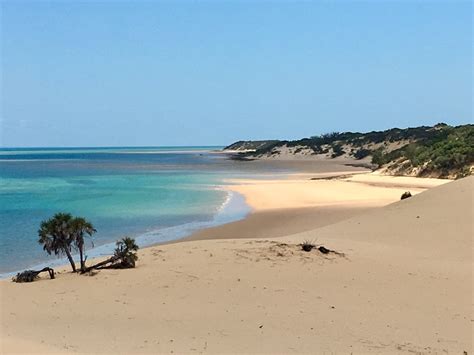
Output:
x=153 y=194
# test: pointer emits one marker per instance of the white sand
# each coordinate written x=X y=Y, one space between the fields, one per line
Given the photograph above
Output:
x=404 y=285
x=356 y=190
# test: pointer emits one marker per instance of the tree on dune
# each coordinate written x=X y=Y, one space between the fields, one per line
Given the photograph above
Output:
x=80 y=227
x=54 y=235
x=63 y=232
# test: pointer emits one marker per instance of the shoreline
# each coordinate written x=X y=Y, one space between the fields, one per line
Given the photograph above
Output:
x=260 y=217
x=232 y=209
x=284 y=169
x=310 y=207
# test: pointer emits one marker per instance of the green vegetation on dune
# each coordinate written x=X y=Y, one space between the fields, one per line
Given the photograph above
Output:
x=445 y=152
x=250 y=145
x=440 y=151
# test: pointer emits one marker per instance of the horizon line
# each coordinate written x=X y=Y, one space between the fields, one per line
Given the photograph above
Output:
x=112 y=146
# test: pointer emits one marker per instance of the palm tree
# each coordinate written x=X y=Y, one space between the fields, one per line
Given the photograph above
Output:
x=79 y=228
x=126 y=252
x=55 y=236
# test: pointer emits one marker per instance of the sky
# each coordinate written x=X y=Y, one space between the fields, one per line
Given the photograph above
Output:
x=160 y=73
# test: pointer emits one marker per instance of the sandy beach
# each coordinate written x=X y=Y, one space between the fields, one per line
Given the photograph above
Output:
x=236 y=177
x=400 y=283
x=306 y=201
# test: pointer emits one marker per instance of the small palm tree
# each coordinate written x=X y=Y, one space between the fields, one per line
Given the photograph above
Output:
x=55 y=236
x=126 y=252
x=80 y=227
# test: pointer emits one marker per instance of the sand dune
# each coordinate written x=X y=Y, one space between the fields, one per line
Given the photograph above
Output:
x=404 y=285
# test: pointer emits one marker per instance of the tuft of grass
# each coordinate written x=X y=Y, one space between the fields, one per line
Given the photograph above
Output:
x=307 y=246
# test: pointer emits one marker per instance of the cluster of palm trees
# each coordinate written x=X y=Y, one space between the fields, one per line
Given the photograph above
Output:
x=63 y=233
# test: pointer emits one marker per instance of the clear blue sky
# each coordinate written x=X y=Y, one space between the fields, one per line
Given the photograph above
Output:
x=211 y=72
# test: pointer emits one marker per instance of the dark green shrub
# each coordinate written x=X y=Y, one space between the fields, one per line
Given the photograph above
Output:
x=337 y=150
x=405 y=195
x=362 y=153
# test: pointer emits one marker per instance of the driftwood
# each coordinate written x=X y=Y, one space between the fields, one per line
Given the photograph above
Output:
x=98 y=266
x=325 y=250
x=111 y=263
x=32 y=275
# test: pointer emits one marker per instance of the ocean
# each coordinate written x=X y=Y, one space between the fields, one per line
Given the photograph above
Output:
x=153 y=194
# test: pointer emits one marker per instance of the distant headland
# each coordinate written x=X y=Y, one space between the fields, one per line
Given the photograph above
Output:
x=440 y=151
